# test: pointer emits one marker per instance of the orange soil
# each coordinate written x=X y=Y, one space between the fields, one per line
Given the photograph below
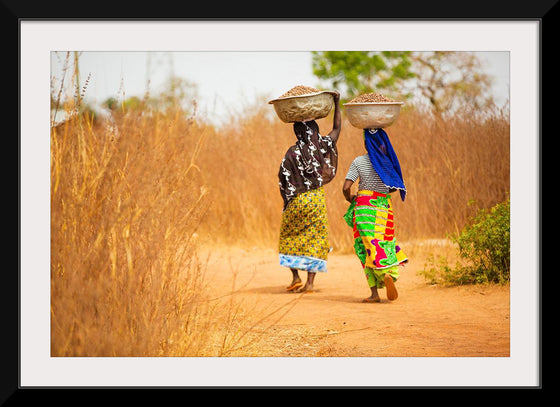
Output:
x=424 y=321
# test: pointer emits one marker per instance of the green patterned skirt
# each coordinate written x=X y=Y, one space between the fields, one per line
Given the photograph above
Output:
x=371 y=218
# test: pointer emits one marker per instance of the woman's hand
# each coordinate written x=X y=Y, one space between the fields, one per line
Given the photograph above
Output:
x=351 y=198
x=346 y=188
x=336 y=96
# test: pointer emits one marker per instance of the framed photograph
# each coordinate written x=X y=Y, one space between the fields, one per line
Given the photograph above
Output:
x=222 y=73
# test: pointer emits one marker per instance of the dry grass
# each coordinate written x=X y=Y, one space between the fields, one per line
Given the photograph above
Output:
x=446 y=162
x=125 y=206
x=132 y=202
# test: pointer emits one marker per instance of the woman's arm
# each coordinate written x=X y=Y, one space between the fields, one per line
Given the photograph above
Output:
x=337 y=121
x=346 y=187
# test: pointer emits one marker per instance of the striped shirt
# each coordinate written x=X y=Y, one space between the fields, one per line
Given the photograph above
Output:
x=369 y=179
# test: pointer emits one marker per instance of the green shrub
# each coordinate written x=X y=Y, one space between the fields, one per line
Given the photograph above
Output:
x=484 y=250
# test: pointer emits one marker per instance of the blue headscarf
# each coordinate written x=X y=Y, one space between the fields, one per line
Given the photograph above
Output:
x=384 y=159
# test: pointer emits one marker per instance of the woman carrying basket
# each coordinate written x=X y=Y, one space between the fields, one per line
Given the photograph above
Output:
x=307 y=166
x=371 y=213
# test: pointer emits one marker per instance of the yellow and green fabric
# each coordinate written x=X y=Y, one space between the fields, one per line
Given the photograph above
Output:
x=304 y=237
x=371 y=217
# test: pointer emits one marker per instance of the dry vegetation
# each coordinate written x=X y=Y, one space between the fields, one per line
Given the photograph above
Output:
x=446 y=163
x=132 y=202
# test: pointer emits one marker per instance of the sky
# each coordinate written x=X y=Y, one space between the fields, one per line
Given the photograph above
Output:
x=225 y=80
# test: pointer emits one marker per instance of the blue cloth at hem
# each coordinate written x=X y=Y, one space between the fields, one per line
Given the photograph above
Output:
x=306 y=263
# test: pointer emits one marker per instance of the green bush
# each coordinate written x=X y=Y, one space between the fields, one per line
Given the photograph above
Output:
x=484 y=250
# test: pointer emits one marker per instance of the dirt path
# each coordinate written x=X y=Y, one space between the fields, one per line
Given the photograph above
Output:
x=424 y=321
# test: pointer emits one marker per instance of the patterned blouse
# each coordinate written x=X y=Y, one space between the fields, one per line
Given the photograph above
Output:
x=369 y=179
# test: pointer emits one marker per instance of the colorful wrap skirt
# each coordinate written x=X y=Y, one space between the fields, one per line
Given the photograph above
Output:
x=304 y=232
x=371 y=217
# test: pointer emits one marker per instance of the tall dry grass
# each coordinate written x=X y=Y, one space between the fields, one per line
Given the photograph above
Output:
x=126 y=202
x=132 y=202
x=448 y=163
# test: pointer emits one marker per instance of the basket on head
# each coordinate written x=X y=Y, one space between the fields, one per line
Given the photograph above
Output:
x=303 y=103
x=372 y=111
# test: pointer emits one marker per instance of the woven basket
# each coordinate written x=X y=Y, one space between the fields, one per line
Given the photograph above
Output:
x=303 y=107
x=372 y=115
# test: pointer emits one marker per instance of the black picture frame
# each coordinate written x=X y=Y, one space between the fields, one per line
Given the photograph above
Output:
x=14 y=12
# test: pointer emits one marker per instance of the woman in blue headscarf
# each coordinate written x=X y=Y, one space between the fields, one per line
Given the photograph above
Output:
x=371 y=212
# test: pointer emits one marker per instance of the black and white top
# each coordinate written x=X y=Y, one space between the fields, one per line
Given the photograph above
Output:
x=309 y=164
x=369 y=179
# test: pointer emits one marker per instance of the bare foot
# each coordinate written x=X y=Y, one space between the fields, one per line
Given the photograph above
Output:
x=372 y=299
x=307 y=288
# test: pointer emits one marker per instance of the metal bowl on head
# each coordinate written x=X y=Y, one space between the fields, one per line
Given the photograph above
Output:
x=372 y=115
x=300 y=108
